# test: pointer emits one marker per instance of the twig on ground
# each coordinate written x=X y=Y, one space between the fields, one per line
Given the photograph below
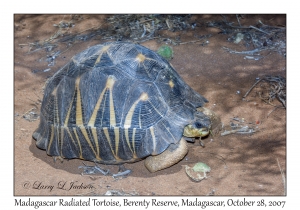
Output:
x=258 y=81
x=273 y=110
x=261 y=36
x=250 y=52
x=277 y=89
x=259 y=30
x=283 y=177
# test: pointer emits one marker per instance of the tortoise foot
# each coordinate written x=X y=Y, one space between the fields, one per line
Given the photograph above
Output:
x=169 y=157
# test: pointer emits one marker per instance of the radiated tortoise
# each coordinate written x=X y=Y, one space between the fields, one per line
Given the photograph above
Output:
x=119 y=102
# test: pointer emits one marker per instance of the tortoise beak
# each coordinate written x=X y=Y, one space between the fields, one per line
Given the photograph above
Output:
x=203 y=132
x=190 y=131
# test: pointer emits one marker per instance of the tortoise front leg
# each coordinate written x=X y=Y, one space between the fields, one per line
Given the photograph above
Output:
x=172 y=155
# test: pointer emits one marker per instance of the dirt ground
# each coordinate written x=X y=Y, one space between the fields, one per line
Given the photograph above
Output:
x=240 y=164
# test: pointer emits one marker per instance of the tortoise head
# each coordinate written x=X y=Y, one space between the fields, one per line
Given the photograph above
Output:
x=200 y=127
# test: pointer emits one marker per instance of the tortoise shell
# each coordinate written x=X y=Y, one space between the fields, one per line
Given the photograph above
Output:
x=113 y=103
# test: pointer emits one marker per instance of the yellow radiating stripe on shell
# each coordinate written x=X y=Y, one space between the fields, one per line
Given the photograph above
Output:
x=61 y=139
x=109 y=85
x=103 y=50
x=96 y=109
x=54 y=92
x=70 y=136
x=69 y=111
x=78 y=141
x=153 y=140
x=51 y=138
x=109 y=142
x=112 y=114
x=171 y=84
x=117 y=141
x=133 y=143
x=56 y=123
x=128 y=119
x=86 y=136
x=127 y=139
x=40 y=135
x=140 y=58
x=94 y=132
x=79 y=120
x=79 y=117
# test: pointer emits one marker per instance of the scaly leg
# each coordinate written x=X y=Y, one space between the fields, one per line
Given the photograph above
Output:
x=172 y=155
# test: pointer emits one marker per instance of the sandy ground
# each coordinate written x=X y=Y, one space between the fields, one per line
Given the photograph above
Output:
x=240 y=164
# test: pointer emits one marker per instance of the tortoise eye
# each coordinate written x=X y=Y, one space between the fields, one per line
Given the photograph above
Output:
x=198 y=125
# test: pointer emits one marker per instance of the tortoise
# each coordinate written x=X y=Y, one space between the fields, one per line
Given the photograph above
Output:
x=116 y=103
